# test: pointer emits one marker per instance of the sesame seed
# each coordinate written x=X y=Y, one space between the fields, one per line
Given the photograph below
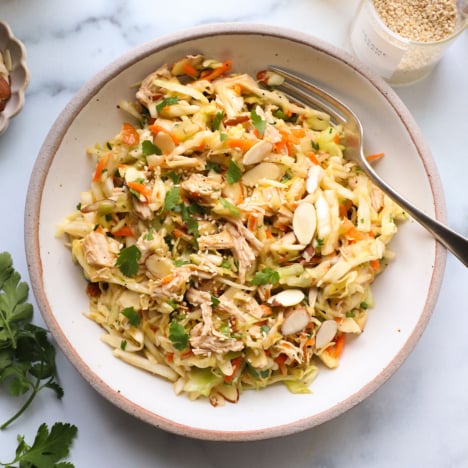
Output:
x=419 y=20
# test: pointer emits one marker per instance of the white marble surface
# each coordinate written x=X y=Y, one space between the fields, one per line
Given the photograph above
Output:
x=418 y=418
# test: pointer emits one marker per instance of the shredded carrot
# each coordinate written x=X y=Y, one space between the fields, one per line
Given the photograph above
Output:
x=336 y=139
x=309 y=342
x=155 y=128
x=170 y=357
x=189 y=70
x=374 y=157
x=238 y=89
x=224 y=68
x=356 y=234
x=280 y=360
x=100 y=167
x=298 y=132
x=311 y=155
x=268 y=233
x=177 y=233
x=252 y=223
x=236 y=365
x=266 y=309
x=375 y=264
x=279 y=146
x=186 y=353
x=244 y=145
x=129 y=135
x=335 y=351
x=344 y=207
x=141 y=189
x=125 y=231
x=168 y=278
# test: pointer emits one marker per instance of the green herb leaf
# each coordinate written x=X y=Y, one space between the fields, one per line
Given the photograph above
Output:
x=172 y=199
x=229 y=206
x=123 y=345
x=213 y=166
x=216 y=122
x=174 y=177
x=132 y=315
x=258 y=122
x=315 y=145
x=191 y=222
x=148 y=148
x=48 y=448
x=177 y=335
x=215 y=301
x=127 y=261
x=27 y=358
x=234 y=173
x=223 y=136
x=166 y=102
x=266 y=276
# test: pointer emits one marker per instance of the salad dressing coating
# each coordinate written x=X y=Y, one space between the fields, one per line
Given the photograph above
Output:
x=226 y=241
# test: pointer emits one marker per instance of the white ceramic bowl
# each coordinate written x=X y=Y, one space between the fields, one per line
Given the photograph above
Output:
x=19 y=74
x=405 y=294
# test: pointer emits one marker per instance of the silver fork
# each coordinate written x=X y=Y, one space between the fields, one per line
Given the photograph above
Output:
x=303 y=91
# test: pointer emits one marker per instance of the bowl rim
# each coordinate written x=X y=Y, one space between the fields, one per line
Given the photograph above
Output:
x=10 y=112
x=54 y=139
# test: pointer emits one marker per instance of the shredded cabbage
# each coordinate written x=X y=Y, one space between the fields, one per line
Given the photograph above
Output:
x=187 y=234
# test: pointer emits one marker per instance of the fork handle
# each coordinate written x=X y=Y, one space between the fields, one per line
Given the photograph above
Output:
x=451 y=240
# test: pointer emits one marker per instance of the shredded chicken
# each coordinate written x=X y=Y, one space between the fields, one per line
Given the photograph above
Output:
x=227 y=234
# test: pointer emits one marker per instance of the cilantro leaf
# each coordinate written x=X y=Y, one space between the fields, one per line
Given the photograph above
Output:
x=27 y=358
x=48 y=448
x=174 y=177
x=132 y=315
x=190 y=221
x=148 y=148
x=169 y=101
x=215 y=301
x=172 y=199
x=177 y=335
x=216 y=122
x=234 y=173
x=258 y=122
x=127 y=261
x=266 y=276
x=210 y=165
x=229 y=206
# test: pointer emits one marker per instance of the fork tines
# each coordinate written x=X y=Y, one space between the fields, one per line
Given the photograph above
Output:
x=304 y=92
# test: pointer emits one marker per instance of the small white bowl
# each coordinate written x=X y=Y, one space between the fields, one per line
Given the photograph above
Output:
x=19 y=74
x=404 y=295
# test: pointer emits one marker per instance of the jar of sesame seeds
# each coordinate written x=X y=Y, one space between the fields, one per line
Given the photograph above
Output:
x=402 y=40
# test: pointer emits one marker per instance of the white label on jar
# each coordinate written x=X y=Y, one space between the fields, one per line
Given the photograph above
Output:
x=370 y=45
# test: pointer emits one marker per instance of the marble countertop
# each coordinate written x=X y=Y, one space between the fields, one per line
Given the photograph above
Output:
x=418 y=418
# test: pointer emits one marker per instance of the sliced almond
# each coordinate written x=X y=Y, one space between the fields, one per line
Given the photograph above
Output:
x=304 y=222
x=257 y=153
x=229 y=392
x=164 y=142
x=314 y=176
x=325 y=333
x=286 y=298
x=264 y=170
x=295 y=321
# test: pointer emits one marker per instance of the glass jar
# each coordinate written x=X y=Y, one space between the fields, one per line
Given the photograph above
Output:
x=397 y=59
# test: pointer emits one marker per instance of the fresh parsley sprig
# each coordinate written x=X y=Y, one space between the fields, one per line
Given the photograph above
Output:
x=48 y=449
x=27 y=358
